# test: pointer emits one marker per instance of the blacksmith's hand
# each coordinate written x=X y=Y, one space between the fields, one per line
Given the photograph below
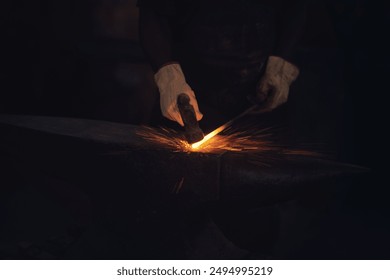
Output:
x=171 y=82
x=273 y=88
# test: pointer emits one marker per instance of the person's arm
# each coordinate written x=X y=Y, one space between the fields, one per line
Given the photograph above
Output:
x=273 y=88
x=291 y=19
x=156 y=39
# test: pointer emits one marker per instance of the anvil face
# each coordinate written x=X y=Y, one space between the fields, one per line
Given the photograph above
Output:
x=116 y=156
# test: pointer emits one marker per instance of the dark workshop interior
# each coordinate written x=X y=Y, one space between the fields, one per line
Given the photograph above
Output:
x=78 y=181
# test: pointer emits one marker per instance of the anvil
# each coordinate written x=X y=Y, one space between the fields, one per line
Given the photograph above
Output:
x=111 y=157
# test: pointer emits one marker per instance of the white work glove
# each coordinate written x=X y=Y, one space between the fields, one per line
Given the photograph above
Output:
x=171 y=82
x=272 y=89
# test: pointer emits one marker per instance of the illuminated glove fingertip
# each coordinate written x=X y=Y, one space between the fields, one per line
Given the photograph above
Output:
x=199 y=116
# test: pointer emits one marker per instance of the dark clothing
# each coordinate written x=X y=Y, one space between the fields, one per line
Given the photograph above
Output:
x=222 y=45
x=242 y=26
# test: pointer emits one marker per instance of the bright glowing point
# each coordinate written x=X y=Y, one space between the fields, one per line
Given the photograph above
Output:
x=207 y=137
x=236 y=141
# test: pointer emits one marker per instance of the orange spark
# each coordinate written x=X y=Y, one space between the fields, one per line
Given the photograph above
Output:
x=250 y=139
x=213 y=143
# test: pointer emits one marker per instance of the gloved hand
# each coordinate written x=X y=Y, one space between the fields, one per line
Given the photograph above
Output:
x=272 y=89
x=171 y=82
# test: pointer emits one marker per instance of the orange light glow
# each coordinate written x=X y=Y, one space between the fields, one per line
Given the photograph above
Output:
x=213 y=133
x=254 y=140
x=250 y=139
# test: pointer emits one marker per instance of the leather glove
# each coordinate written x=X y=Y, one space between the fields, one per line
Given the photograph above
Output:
x=272 y=89
x=171 y=82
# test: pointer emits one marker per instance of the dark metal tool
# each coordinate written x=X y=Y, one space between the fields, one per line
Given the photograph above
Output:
x=246 y=112
x=193 y=133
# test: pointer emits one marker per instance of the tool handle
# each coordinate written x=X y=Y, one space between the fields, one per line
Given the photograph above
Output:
x=183 y=100
x=187 y=113
x=186 y=110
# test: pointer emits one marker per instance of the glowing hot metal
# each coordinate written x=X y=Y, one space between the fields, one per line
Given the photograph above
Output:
x=208 y=137
x=221 y=128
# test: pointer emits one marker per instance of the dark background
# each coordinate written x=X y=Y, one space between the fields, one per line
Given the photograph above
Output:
x=82 y=59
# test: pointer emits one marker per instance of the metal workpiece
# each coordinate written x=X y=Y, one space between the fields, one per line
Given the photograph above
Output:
x=109 y=158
